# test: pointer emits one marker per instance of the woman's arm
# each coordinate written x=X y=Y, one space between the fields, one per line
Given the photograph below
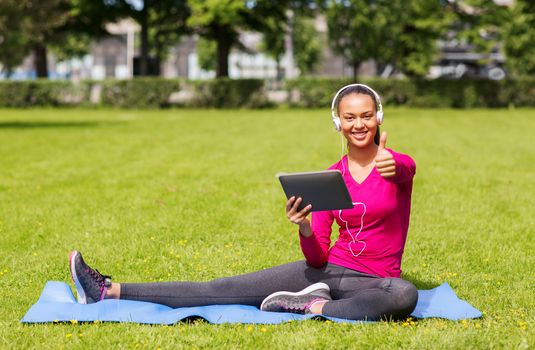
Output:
x=405 y=168
x=315 y=238
x=394 y=167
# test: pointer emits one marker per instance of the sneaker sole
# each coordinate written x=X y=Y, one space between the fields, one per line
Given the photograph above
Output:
x=312 y=288
x=79 y=290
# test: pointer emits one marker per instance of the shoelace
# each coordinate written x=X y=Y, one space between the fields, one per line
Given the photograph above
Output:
x=102 y=280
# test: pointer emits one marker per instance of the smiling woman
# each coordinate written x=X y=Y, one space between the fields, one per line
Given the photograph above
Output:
x=358 y=117
x=357 y=278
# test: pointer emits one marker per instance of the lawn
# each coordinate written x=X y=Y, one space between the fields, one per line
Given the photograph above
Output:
x=192 y=195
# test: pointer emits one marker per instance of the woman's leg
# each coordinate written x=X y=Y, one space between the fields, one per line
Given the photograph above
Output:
x=248 y=289
x=366 y=297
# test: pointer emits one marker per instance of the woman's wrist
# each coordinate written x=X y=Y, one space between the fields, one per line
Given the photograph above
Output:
x=304 y=229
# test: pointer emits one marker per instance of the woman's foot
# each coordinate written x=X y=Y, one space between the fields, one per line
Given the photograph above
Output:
x=91 y=286
x=307 y=301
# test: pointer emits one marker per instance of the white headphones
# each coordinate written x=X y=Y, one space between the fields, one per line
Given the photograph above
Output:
x=334 y=105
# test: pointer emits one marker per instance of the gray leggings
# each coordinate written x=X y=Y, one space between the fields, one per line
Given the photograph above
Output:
x=356 y=295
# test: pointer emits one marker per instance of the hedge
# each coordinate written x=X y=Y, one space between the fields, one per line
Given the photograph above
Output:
x=41 y=92
x=138 y=92
x=251 y=93
x=229 y=93
x=463 y=93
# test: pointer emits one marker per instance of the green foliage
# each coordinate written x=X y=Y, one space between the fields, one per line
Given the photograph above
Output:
x=480 y=24
x=139 y=92
x=13 y=40
x=439 y=93
x=250 y=93
x=229 y=93
x=419 y=24
x=273 y=39
x=520 y=38
x=65 y=25
x=163 y=21
x=354 y=31
x=306 y=44
x=307 y=47
x=190 y=195
x=399 y=32
x=221 y=21
x=42 y=92
x=207 y=54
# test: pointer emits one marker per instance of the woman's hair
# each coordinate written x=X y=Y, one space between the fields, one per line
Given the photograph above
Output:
x=356 y=90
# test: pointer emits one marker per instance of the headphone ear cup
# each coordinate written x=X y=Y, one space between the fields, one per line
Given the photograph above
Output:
x=337 y=124
x=380 y=117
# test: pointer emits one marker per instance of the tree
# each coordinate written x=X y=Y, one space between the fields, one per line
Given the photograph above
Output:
x=223 y=20
x=219 y=20
x=13 y=41
x=520 y=38
x=399 y=32
x=479 y=23
x=45 y=20
x=307 y=46
x=207 y=54
x=358 y=31
x=162 y=24
x=34 y=25
x=420 y=25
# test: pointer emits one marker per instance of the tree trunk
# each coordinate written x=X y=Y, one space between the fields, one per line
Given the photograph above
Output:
x=223 y=50
x=356 y=66
x=144 y=36
x=40 y=60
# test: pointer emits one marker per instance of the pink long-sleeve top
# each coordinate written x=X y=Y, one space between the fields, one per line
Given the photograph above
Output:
x=373 y=233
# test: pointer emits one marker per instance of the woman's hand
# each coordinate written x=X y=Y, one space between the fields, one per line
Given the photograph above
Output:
x=384 y=161
x=299 y=217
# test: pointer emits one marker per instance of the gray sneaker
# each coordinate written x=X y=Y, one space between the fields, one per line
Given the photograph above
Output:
x=299 y=302
x=91 y=285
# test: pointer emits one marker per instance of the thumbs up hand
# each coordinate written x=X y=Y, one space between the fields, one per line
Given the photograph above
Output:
x=384 y=160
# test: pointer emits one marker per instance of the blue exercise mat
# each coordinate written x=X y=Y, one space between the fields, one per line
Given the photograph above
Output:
x=58 y=304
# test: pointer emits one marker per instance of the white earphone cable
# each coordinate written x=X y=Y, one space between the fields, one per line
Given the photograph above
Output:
x=354 y=238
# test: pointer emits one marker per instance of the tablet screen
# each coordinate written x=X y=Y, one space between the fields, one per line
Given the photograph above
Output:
x=325 y=190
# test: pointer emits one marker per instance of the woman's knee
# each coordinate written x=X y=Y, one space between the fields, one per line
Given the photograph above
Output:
x=405 y=297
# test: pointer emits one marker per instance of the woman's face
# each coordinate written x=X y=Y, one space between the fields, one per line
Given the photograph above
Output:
x=358 y=118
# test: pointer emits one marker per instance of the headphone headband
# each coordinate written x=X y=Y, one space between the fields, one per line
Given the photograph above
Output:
x=334 y=113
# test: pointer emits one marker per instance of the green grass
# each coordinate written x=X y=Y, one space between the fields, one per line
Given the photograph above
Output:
x=192 y=195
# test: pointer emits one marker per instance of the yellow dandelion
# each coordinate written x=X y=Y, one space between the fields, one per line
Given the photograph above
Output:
x=68 y=335
x=249 y=328
x=74 y=321
x=263 y=329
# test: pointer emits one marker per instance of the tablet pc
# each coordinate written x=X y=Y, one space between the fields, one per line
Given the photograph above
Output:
x=325 y=190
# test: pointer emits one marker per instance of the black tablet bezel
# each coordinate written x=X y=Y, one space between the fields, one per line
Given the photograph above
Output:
x=325 y=190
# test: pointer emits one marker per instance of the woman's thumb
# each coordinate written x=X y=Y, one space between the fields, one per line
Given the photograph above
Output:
x=382 y=141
